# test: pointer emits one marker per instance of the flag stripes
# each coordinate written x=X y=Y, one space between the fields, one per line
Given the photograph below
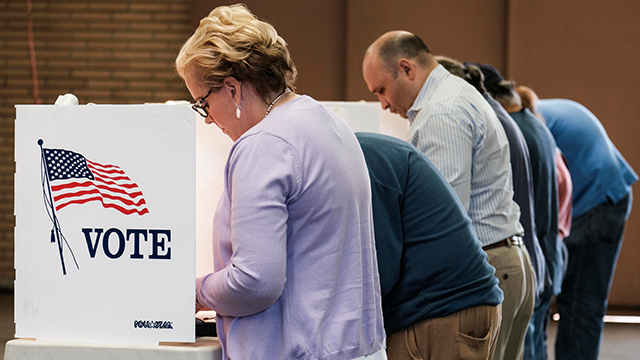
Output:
x=77 y=180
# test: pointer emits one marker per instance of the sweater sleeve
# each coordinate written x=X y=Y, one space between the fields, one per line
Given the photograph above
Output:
x=262 y=177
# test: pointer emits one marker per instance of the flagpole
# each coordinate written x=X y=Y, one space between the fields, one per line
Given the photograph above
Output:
x=56 y=233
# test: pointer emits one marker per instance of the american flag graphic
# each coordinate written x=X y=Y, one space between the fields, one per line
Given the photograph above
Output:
x=75 y=179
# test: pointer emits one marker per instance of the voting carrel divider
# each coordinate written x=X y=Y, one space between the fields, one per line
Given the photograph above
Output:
x=105 y=223
x=111 y=204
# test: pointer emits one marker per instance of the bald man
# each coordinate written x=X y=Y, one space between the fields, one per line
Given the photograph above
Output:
x=456 y=128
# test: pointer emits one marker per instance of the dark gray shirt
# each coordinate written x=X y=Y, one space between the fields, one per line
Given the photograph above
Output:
x=523 y=190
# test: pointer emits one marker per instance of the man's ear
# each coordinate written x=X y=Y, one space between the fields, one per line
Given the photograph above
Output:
x=406 y=68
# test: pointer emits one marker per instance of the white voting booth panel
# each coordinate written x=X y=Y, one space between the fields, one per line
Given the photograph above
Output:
x=360 y=116
x=370 y=117
x=105 y=223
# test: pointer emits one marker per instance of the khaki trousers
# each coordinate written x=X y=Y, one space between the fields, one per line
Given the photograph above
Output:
x=518 y=283
x=468 y=334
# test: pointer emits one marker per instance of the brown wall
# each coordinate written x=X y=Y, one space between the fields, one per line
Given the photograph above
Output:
x=467 y=30
x=588 y=51
x=315 y=33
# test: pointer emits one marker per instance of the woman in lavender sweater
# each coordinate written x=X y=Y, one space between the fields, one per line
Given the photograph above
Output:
x=294 y=255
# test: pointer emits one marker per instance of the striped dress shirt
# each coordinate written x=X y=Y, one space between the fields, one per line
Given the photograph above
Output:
x=457 y=129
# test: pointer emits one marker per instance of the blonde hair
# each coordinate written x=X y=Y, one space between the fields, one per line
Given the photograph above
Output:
x=529 y=100
x=231 y=41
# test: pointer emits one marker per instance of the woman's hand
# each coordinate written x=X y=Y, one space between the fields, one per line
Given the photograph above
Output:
x=199 y=307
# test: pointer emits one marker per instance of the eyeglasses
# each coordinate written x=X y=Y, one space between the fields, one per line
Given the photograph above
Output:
x=201 y=104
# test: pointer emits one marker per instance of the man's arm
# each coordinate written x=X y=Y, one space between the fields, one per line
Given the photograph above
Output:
x=448 y=142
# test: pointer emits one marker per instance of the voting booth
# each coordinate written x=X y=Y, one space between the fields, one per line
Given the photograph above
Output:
x=105 y=223
x=114 y=210
x=370 y=117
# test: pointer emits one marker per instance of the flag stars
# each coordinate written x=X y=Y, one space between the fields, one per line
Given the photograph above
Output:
x=63 y=164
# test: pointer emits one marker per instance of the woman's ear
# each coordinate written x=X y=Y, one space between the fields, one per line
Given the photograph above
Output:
x=234 y=87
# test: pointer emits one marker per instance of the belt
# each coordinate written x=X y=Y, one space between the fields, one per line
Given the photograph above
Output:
x=514 y=240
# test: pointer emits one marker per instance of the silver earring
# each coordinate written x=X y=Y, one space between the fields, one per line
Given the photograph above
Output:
x=237 y=111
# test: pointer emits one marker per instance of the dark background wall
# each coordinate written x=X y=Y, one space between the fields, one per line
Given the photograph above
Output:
x=122 y=52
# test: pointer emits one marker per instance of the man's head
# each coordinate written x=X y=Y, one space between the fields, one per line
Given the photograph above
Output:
x=395 y=67
x=467 y=71
x=529 y=98
x=502 y=90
